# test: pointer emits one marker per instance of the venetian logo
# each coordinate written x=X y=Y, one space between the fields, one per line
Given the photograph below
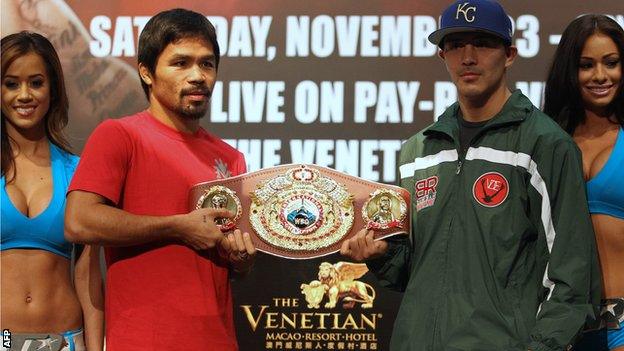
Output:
x=338 y=282
x=490 y=189
x=301 y=210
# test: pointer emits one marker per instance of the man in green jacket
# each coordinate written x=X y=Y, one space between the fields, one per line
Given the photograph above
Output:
x=502 y=254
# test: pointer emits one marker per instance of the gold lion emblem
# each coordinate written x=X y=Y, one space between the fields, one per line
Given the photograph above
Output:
x=338 y=281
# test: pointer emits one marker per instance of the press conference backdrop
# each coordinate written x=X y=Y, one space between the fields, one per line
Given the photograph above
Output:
x=335 y=83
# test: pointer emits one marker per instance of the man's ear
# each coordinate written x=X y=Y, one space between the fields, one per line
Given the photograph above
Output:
x=441 y=54
x=145 y=74
x=511 y=52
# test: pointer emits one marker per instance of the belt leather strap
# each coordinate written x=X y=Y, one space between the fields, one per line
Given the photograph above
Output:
x=302 y=211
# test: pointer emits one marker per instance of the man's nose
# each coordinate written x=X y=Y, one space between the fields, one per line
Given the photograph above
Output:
x=196 y=75
x=469 y=55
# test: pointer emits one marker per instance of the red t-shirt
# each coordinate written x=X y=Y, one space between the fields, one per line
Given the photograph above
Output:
x=160 y=296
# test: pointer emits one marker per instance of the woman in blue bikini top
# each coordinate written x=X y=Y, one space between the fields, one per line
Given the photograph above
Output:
x=585 y=95
x=40 y=303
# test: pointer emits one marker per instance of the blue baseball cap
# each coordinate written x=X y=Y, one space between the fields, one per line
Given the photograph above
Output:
x=485 y=16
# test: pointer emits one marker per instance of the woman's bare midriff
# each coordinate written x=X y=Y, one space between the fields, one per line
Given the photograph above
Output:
x=610 y=241
x=596 y=138
x=37 y=295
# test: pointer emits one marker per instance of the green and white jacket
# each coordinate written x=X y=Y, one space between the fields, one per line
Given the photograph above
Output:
x=502 y=253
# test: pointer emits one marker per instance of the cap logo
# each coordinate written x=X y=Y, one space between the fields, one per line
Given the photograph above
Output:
x=464 y=9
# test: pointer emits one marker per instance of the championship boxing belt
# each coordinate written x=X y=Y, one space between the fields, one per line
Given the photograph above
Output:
x=304 y=211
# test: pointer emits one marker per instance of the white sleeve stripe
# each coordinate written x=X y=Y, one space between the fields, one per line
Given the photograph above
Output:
x=407 y=170
x=519 y=159
x=498 y=156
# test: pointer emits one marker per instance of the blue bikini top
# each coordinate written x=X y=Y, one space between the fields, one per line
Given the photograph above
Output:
x=605 y=191
x=46 y=230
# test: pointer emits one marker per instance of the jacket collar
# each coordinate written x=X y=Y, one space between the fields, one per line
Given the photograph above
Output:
x=516 y=109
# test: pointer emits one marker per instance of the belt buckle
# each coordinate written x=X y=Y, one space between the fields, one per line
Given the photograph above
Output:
x=301 y=210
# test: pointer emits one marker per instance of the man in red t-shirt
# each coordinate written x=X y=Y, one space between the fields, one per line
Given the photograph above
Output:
x=167 y=284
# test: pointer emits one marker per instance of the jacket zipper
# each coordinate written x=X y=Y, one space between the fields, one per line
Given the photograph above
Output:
x=460 y=162
x=450 y=229
x=461 y=157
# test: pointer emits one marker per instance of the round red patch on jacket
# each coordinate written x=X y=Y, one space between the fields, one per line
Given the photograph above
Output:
x=490 y=189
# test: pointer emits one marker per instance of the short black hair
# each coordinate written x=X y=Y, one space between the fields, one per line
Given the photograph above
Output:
x=562 y=95
x=168 y=27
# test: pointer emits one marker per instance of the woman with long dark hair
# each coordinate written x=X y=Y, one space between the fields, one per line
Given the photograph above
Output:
x=584 y=95
x=41 y=306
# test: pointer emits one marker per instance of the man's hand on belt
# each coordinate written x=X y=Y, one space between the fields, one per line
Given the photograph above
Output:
x=362 y=247
x=198 y=229
x=239 y=250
